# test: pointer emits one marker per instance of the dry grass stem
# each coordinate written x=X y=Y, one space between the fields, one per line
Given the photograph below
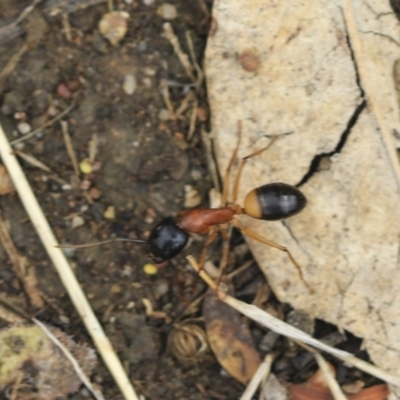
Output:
x=332 y=383
x=33 y=161
x=365 y=77
x=17 y=386
x=66 y=26
x=70 y=147
x=200 y=75
x=64 y=270
x=207 y=142
x=10 y=316
x=10 y=66
x=185 y=104
x=262 y=373
x=193 y=119
x=167 y=99
x=48 y=123
x=282 y=328
x=22 y=269
x=183 y=58
x=82 y=376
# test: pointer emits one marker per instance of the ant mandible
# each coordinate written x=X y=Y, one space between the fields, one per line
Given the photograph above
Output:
x=270 y=202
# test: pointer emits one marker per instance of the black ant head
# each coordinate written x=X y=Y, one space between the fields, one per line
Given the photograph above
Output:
x=166 y=240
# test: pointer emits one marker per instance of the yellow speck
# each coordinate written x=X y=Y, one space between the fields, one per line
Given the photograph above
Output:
x=150 y=269
x=109 y=213
x=86 y=166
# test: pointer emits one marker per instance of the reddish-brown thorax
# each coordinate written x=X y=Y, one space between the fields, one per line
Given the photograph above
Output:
x=201 y=220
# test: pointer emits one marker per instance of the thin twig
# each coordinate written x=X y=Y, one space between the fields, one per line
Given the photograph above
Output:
x=48 y=123
x=200 y=75
x=183 y=58
x=278 y=326
x=70 y=147
x=82 y=376
x=64 y=270
x=262 y=372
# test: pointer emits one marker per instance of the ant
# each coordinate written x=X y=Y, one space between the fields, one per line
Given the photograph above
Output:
x=270 y=202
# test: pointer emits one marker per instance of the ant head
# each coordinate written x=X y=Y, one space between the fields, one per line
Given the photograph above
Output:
x=166 y=240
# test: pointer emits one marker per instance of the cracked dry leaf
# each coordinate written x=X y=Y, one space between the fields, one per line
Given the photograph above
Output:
x=230 y=339
x=306 y=81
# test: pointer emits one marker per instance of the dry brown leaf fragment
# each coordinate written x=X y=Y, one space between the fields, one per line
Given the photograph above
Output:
x=316 y=389
x=51 y=374
x=230 y=339
x=6 y=186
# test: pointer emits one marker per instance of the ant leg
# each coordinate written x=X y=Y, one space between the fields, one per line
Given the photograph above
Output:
x=226 y=237
x=243 y=163
x=211 y=236
x=261 y=239
x=228 y=170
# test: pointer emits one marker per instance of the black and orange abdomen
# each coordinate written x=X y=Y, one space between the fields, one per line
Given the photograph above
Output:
x=274 y=201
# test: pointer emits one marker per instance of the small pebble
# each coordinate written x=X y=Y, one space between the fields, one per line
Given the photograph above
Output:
x=149 y=71
x=115 y=288
x=85 y=184
x=167 y=11
x=192 y=197
x=147 y=82
x=150 y=269
x=77 y=221
x=163 y=115
x=109 y=213
x=129 y=86
x=250 y=61
x=24 y=128
x=19 y=115
x=148 y=2
x=86 y=166
x=94 y=193
x=196 y=174
x=130 y=305
x=161 y=288
x=114 y=25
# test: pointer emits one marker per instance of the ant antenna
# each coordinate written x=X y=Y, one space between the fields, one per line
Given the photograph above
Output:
x=117 y=239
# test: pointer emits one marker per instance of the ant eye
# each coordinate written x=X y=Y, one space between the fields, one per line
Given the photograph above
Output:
x=166 y=240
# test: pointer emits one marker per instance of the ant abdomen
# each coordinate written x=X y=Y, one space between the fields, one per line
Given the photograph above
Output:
x=274 y=201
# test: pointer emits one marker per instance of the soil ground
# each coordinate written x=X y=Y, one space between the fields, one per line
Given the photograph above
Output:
x=144 y=166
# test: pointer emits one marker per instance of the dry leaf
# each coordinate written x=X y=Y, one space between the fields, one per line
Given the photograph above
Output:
x=230 y=339
x=307 y=82
x=316 y=389
x=44 y=366
x=6 y=186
